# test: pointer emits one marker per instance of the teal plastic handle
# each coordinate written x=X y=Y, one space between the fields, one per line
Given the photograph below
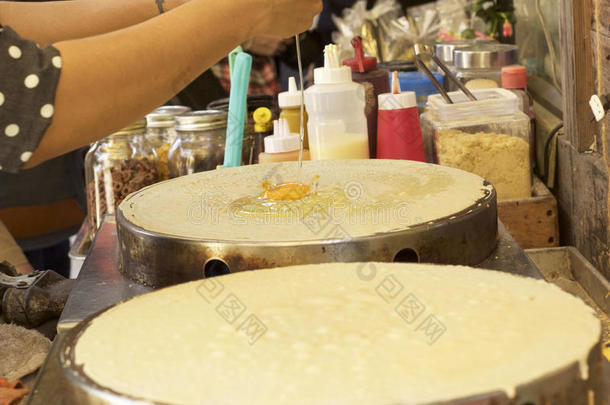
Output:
x=232 y=55
x=240 y=80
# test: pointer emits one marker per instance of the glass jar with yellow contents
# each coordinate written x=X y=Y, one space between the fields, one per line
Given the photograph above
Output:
x=160 y=132
x=117 y=166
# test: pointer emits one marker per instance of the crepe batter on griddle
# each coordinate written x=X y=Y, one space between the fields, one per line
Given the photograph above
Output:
x=364 y=198
x=332 y=336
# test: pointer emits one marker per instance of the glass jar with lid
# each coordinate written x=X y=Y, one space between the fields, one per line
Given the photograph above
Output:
x=117 y=166
x=200 y=143
x=444 y=50
x=480 y=66
x=161 y=134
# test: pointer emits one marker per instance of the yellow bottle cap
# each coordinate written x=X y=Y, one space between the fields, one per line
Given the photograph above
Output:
x=262 y=119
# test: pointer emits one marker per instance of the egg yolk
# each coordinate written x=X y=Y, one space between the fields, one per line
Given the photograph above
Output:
x=285 y=191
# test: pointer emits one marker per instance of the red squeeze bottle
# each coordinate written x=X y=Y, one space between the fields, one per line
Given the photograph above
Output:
x=398 y=130
x=375 y=82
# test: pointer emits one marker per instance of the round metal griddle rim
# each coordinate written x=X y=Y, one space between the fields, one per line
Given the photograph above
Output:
x=78 y=377
x=479 y=205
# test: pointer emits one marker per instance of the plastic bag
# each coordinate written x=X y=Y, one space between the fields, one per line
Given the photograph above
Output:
x=386 y=32
x=453 y=15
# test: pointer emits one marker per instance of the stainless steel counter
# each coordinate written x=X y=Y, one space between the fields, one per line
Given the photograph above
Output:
x=99 y=283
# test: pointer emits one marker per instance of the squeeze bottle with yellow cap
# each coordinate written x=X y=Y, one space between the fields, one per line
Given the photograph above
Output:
x=335 y=104
x=263 y=127
x=290 y=109
x=283 y=145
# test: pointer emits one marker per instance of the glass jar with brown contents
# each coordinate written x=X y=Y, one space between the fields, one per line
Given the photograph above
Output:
x=200 y=143
x=117 y=166
x=161 y=134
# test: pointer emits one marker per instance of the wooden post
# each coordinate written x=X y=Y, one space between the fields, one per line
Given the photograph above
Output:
x=577 y=72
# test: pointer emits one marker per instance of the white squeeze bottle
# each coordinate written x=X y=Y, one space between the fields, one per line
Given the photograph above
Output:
x=335 y=105
x=282 y=146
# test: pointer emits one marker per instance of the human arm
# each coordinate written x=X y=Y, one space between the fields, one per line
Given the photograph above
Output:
x=54 y=21
x=265 y=46
x=110 y=80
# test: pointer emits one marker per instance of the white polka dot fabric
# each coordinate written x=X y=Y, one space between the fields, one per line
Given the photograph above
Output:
x=28 y=81
x=31 y=81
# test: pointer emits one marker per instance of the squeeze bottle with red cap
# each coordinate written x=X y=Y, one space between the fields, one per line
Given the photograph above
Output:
x=375 y=82
x=399 y=133
x=514 y=78
x=335 y=105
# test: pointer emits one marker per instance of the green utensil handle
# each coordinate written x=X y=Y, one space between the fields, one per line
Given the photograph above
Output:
x=240 y=80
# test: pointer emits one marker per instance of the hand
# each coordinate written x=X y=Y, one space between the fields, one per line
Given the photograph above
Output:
x=285 y=18
x=24 y=268
x=265 y=46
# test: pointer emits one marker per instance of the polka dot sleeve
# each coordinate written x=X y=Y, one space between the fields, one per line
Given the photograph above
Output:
x=28 y=81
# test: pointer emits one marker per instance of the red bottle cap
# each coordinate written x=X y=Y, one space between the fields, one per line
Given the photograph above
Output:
x=360 y=63
x=514 y=77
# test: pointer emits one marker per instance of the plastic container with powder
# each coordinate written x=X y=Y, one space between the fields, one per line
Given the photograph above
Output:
x=488 y=137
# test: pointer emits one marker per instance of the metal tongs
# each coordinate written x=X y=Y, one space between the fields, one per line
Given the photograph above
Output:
x=421 y=50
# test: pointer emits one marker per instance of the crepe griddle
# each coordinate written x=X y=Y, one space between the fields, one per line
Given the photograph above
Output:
x=175 y=231
x=563 y=386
